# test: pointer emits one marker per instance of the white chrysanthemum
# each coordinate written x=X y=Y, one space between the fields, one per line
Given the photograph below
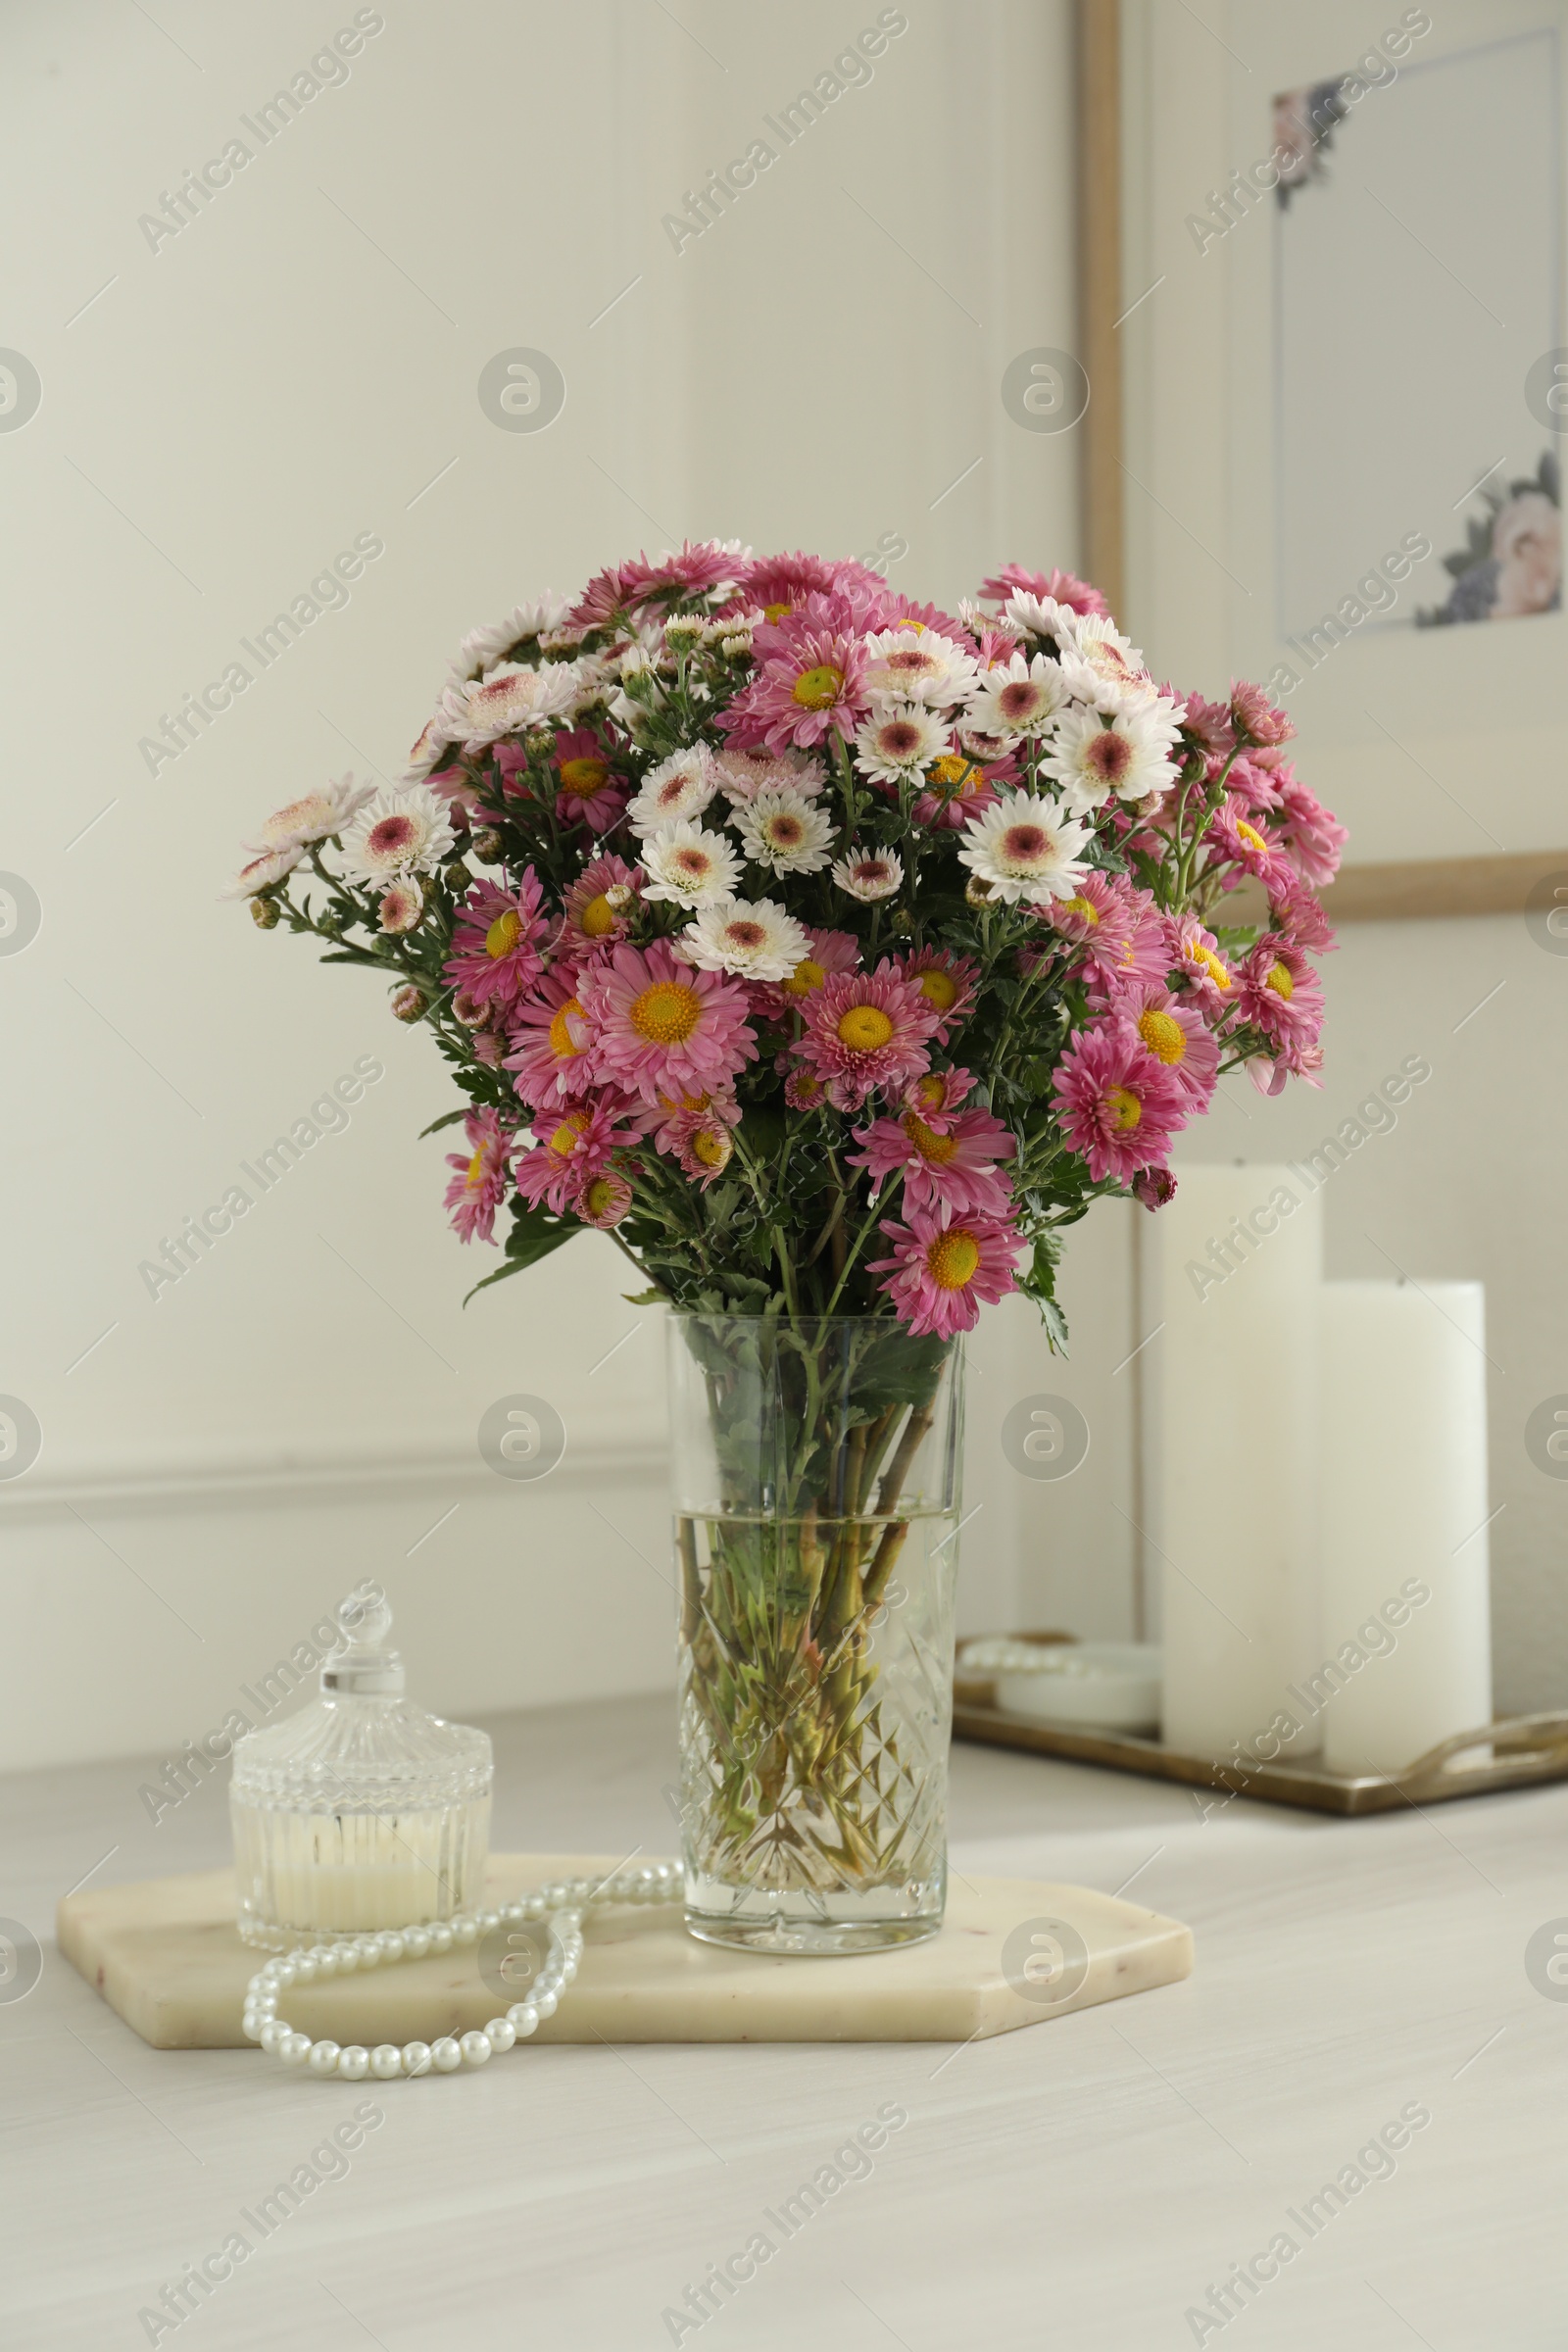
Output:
x=1025 y=847
x=680 y=786
x=398 y=833
x=402 y=906
x=262 y=872
x=483 y=647
x=481 y=711
x=783 y=830
x=755 y=939
x=325 y=811
x=432 y=747
x=897 y=741
x=689 y=864
x=1092 y=756
x=976 y=618
x=1101 y=667
x=918 y=666
x=743 y=774
x=1039 y=616
x=870 y=875
x=1019 y=697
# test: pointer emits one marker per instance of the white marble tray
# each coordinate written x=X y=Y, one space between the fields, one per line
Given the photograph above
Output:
x=1012 y=1952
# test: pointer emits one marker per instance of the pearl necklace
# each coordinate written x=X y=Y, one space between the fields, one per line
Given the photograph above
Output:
x=562 y=1904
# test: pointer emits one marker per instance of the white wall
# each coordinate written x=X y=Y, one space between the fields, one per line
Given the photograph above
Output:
x=296 y=366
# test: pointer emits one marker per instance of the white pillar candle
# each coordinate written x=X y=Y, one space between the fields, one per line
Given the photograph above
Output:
x=1407 y=1657
x=1230 y=1454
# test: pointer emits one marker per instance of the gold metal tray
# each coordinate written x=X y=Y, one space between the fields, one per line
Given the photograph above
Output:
x=1514 y=1753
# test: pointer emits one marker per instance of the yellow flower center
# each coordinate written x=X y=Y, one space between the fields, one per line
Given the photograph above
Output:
x=952 y=1259
x=806 y=976
x=563 y=1143
x=932 y=1093
x=1280 y=981
x=475 y=1173
x=561 y=1038
x=938 y=1150
x=939 y=988
x=951 y=768
x=599 y=1198
x=1085 y=909
x=1212 y=965
x=1162 y=1035
x=1249 y=834
x=597 y=916
x=503 y=933
x=711 y=1146
x=666 y=1013
x=777 y=612
x=864 y=1028
x=1125 y=1109
x=584 y=777
x=819 y=689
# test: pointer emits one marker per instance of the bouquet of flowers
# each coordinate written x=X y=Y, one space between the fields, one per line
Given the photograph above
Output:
x=831 y=952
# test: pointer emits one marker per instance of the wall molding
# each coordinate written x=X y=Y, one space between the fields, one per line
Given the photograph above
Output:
x=284 y=1479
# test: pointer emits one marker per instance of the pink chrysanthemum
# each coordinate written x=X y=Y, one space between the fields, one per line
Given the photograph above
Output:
x=809 y=684
x=1195 y=953
x=586 y=791
x=936 y=1094
x=830 y=951
x=1118 y=1107
x=700 y=1144
x=1312 y=838
x=1233 y=836
x=1210 y=722
x=657 y=1025
x=1095 y=921
x=497 y=942
x=1177 y=1035
x=780 y=585
x=742 y=775
x=1280 y=992
x=1297 y=913
x=1256 y=718
x=1144 y=953
x=636 y=585
x=943 y=1268
x=549 y=1038
x=959 y=786
x=602 y=1201
x=803 y=1089
x=948 y=982
x=480 y=1185
x=867 y=1030
x=946 y=1162
x=1062 y=587
x=572 y=1148
x=592 y=917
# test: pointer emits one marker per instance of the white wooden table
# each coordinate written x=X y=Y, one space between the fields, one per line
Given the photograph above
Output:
x=1079 y=2185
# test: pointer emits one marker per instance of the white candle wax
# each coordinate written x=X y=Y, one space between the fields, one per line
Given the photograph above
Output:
x=1407 y=1655
x=1230 y=1449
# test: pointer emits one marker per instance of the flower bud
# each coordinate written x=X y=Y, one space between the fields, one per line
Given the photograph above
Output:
x=457 y=876
x=538 y=742
x=683 y=633
x=264 y=914
x=1153 y=1186
x=487 y=847
x=902 y=923
x=407 y=1003
x=976 y=892
x=619 y=896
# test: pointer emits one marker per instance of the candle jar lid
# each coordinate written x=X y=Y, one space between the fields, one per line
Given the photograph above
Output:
x=362 y=1746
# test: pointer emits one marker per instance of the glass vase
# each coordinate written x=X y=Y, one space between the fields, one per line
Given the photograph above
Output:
x=817 y=1493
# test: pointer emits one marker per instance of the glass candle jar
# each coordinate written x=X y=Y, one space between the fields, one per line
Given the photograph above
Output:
x=361 y=1811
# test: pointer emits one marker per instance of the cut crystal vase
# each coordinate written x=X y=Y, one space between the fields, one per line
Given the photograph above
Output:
x=817 y=1474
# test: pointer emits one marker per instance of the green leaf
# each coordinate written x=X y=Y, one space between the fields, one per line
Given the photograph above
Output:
x=648 y=1298
x=448 y=1118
